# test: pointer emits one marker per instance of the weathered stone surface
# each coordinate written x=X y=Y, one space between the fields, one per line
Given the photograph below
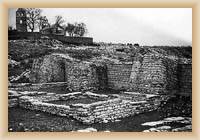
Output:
x=50 y=68
x=97 y=112
x=152 y=73
x=80 y=76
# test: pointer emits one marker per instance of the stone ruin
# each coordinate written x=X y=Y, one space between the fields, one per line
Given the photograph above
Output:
x=145 y=83
x=100 y=109
x=153 y=73
x=62 y=68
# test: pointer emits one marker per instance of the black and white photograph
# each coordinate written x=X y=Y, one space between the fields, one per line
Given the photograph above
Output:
x=99 y=70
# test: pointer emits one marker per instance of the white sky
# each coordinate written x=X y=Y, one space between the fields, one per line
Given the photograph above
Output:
x=146 y=26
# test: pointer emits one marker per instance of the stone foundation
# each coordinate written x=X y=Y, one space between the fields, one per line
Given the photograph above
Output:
x=37 y=86
x=108 y=108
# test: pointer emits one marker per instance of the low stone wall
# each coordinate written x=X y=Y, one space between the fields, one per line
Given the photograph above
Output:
x=32 y=104
x=40 y=102
x=112 y=107
x=14 y=96
x=73 y=40
x=32 y=87
x=15 y=35
x=111 y=110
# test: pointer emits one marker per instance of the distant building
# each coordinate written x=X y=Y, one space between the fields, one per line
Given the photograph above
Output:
x=21 y=24
x=53 y=29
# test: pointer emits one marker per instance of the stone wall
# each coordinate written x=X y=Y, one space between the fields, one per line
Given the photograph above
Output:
x=15 y=35
x=185 y=79
x=36 y=86
x=157 y=74
x=50 y=68
x=119 y=76
x=32 y=104
x=81 y=76
x=111 y=108
x=73 y=40
x=62 y=68
x=152 y=73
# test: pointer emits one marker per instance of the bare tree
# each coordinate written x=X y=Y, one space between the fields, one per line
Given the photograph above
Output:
x=59 y=21
x=43 y=22
x=33 y=15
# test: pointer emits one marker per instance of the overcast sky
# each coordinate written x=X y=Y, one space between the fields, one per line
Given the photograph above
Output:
x=146 y=26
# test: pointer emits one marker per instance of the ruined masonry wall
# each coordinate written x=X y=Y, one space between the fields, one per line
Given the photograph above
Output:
x=155 y=74
x=185 y=79
x=81 y=76
x=47 y=69
x=114 y=109
x=119 y=75
x=54 y=68
x=101 y=111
